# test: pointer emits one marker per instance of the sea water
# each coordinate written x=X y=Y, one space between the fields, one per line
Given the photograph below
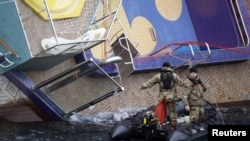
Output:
x=92 y=127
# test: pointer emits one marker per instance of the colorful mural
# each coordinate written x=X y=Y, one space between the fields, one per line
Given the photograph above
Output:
x=184 y=22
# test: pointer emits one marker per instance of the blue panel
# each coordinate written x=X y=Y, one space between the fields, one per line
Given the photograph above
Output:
x=166 y=31
x=183 y=30
x=215 y=23
x=220 y=31
x=11 y=32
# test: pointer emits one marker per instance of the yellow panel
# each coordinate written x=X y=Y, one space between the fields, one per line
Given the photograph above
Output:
x=59 y=9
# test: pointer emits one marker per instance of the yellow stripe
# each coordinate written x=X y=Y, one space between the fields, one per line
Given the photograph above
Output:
x=59 y=9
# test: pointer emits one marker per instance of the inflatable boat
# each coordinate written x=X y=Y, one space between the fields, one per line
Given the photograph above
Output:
x=144 y=126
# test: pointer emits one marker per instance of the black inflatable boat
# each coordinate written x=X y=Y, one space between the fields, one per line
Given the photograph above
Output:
x=144 y=126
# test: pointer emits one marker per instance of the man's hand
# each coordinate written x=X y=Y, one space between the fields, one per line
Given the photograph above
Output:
x=187 y=108
x=204 y=89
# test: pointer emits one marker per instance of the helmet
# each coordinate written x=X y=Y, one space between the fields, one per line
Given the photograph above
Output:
x=193 y=70
x=166 y=64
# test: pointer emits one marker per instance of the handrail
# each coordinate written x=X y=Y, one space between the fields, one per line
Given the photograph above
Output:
x=70 y=78
x=209 y=54
x=191 y=58
x=5 y=45
x=4 y=59
x=87 y=71
x=189 y=43
x=123 y=46
x=240 y=23
x=93 y=102
x=60 y=75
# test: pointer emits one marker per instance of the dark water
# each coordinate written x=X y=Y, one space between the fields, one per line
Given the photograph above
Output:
x=53 y=131
x=65 y=131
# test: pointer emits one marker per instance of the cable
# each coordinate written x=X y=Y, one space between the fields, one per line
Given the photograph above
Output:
x=218 y=107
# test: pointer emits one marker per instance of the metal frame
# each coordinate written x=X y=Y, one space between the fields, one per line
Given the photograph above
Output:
x=4 y=60
x=240 y=22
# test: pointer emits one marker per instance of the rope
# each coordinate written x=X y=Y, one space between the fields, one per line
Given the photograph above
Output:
x=217 y=107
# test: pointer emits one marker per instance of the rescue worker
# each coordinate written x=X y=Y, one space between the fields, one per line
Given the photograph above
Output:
x=193 y=96
x=167 y=89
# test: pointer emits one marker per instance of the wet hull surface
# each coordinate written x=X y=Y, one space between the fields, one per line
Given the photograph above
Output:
x=53 y=131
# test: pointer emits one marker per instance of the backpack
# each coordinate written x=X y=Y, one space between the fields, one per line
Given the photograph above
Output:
x=167 y=78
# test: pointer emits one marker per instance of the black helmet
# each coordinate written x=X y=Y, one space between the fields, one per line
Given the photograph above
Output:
x=193 y=70
x=166 y=64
